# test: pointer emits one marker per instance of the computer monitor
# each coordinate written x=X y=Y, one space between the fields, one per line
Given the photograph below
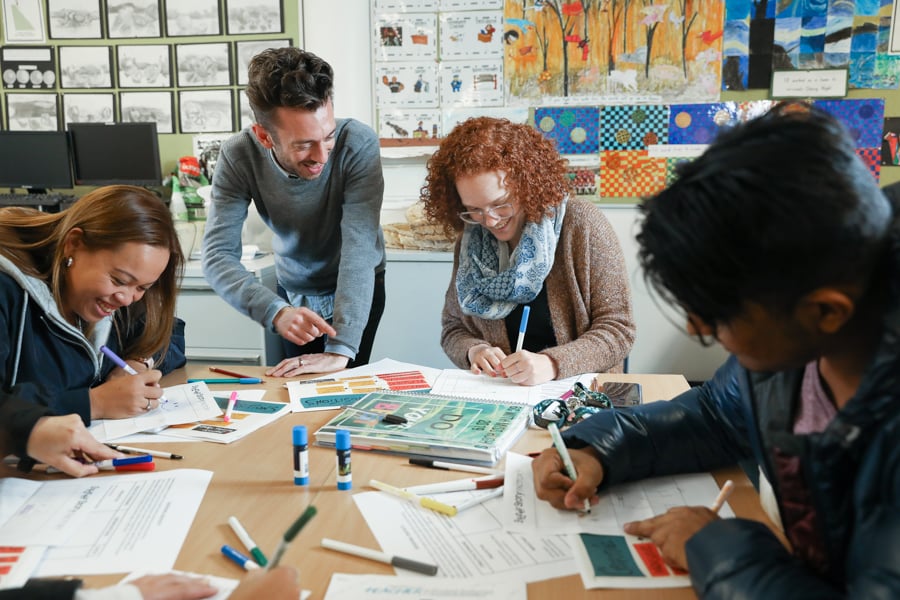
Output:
x=35 y=160
x=111 y=153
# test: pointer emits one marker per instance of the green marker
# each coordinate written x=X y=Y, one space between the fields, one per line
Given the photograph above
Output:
x=290 y=534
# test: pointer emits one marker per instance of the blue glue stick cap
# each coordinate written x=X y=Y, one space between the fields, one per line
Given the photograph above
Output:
x=300 y=437
x=342 y=439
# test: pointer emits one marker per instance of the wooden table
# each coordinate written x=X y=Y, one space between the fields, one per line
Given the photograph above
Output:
x=254 y=481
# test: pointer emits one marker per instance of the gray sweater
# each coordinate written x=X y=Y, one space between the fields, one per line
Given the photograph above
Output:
x=326 y=232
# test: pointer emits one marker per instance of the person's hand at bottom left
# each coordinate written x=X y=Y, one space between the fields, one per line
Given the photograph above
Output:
x=62 y=441
x=173 y=586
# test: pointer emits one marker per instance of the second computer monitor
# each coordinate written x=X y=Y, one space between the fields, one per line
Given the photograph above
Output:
x=115 y=153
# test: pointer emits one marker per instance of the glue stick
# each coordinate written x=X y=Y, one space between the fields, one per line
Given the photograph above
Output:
x=301 y=455
x=342 y=446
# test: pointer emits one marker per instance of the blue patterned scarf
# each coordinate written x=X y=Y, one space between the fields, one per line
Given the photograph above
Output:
x=489 y=282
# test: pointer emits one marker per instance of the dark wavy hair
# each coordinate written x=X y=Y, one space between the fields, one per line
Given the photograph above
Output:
x=774 y=208
x=535 y=172
x=287 y=77
x=109 y=217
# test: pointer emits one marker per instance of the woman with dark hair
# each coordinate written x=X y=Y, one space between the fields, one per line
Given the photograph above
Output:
x=503 y=188
x=103 y=272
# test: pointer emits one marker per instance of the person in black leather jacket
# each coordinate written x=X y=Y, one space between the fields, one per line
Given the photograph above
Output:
x=103 y=272
x=778 y=244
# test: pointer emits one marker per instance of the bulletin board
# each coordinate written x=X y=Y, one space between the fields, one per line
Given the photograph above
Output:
x=180 y=64
x=628 y=90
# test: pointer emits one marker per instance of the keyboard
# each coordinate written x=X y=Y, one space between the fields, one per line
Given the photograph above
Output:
x=50 y=199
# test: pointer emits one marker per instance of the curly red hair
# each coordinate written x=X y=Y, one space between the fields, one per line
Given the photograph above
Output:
x=535 y=172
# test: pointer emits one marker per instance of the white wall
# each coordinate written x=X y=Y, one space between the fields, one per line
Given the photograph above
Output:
x=342 y=37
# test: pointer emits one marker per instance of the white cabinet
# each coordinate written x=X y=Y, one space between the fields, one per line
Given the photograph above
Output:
x=217 y=333
x=410 y=329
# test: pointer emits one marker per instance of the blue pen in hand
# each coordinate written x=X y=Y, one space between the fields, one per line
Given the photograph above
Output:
x=125 y=367
x=523 y=324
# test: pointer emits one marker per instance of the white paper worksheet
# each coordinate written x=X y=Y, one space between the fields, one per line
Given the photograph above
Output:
x=471 y=544
x=618 y=505
x=136 y=521
x=186 y=403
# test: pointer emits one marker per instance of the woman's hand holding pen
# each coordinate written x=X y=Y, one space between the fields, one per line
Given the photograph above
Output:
x=553 y=485
x=528 y=368
x=120 y=397
x=60 y=441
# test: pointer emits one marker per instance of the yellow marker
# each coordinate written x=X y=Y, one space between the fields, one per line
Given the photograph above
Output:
x=423 y=501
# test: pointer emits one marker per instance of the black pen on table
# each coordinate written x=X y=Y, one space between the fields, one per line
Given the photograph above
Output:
x=133 y=450
x=290 y=534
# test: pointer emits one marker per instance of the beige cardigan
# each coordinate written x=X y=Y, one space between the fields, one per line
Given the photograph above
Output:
x=588 y=296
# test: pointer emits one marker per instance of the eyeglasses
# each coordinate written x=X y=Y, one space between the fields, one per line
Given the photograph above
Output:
x=477 y=217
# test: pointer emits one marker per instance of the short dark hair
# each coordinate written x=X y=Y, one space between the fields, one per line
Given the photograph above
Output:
x=287 y=77
x=774 y=208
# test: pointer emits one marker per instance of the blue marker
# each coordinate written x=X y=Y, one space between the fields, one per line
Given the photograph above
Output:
x=241 y=560
x=132 y=460
x=301 y=455
x=522 y=325
x=342 y=446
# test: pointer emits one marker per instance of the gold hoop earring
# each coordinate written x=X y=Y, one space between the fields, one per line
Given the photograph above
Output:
x=68 y=262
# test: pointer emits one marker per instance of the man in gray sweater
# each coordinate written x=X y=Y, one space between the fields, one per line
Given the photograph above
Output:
x=317 y=183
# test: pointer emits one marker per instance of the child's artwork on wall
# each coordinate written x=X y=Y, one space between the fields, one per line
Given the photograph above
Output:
x=791 y=34
x=612 y=52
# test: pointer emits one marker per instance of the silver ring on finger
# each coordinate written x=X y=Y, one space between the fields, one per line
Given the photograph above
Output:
x=149 y=402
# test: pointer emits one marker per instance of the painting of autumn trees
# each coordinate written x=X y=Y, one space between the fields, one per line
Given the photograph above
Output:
x=657 y=50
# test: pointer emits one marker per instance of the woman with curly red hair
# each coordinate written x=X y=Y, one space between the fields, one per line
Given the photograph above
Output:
x=523 y=241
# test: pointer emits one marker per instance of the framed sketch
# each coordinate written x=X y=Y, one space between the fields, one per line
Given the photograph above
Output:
x=32 y=112
x=205 y=111
x=23 y=21
x=85 y=66
x=133 y=19
x=144 y=66
x=88 y=108
x=31 y=67
x=203 y=65
x=141 y=107
x=197 y=17
x=74 y=19
x=247 y=50
x=253 y=16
